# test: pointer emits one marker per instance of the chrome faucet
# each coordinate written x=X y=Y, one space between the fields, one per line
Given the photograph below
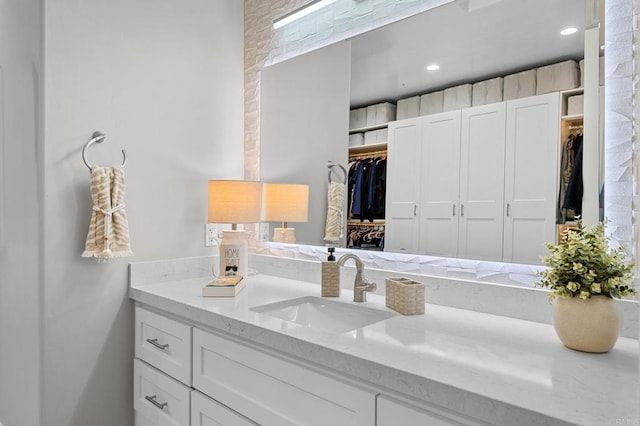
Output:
x=360 y=284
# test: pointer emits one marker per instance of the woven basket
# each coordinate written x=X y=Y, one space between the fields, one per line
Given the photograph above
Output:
x=405 y=296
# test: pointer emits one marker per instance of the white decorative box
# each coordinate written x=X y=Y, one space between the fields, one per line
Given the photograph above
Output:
x=357 y=118
x=487 y=92
x=371 y=115
x=519 y=85
x=431 y=103
x=408 y=108
x=575 y=105
x=457 y=97
x=356 y=139
x=376 y=136
x=380 y=113
x=557 y=77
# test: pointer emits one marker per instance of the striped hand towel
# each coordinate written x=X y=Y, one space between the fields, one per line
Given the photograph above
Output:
x=108 y=230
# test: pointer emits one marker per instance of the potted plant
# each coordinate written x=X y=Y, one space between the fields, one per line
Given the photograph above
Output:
x=585 y=276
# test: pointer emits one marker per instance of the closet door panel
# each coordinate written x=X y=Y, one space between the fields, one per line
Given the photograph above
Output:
x=531 y=177
x=482 y=182
x=403 y=186
x=440 y=184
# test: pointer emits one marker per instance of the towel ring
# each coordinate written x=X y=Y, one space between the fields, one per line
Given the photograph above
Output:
x=331 y=167
x=98 y=137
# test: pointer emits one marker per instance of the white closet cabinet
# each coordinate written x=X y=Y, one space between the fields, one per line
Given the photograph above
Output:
x=403 y=186
x=482 y=145
x=531 y=172
x=475 y=183
x=440 y=183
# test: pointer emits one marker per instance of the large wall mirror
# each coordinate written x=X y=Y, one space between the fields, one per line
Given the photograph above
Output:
x=305 y=101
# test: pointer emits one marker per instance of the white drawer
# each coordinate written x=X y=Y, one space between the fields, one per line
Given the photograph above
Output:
x=164 y=343
x=158 y=398
x=207 y=412
x=273 y=391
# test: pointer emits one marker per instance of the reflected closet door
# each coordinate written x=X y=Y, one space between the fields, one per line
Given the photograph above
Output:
x=440 y=184
x=482 y=182
x=403 y=186
x=531 y=177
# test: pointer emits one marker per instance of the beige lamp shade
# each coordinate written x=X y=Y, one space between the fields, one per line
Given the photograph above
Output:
x=234 y=201
x=285 y=202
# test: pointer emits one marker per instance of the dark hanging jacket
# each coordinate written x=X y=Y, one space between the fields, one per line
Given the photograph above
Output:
x=573 y=196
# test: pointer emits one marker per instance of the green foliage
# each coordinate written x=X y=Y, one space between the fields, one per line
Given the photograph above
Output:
x=582 y=265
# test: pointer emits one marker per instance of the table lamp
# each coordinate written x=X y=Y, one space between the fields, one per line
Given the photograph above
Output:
x=285 y=203
x=234 y=202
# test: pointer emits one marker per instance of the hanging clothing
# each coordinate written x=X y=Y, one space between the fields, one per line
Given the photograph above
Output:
x=573 y=197
x=367 y=189
x=108 y=235
x=365 y=236
x=570 y=148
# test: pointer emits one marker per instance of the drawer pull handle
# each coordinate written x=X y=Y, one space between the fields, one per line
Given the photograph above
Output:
x=155 y=343
x=152 y=399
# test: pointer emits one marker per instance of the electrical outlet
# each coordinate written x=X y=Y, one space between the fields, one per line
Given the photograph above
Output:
x=210 y=234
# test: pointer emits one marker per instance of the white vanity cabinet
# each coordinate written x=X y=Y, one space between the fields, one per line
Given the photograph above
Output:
x=475 y=183
x=232 y=383
x=162 y=377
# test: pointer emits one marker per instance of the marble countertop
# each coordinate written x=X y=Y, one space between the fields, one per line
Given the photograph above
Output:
x=497 y=369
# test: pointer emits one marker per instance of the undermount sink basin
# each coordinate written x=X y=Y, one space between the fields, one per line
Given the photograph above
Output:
x=322 y=314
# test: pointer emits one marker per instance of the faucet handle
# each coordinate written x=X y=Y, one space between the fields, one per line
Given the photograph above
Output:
x=369 y=286
x=360 y=291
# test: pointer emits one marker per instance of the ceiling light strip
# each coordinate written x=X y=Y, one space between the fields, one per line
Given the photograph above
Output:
x=300 y=12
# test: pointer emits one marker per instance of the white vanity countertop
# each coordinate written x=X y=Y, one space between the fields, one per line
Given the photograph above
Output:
x=498 y=369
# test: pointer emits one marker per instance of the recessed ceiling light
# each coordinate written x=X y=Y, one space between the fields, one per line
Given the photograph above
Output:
x=433 y=67
x=569 y=31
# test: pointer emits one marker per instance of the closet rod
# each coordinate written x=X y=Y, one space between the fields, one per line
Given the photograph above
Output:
x=576 y=127
x=373 y=154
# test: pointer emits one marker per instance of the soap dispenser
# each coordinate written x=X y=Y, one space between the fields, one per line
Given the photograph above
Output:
x=330 y=276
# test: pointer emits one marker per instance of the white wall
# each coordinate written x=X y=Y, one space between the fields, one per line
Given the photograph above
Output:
x=305 y=123
x=164 y=80
x=20 y=125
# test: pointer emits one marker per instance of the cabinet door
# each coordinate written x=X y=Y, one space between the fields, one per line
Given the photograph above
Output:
x=391 y=412
x=273 y=391
x=207 y=412
x=440 y=184
x=530 y=177
x=403 y=186
x=482 y=182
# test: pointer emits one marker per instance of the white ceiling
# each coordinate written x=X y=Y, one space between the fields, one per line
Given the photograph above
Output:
x=471 y=40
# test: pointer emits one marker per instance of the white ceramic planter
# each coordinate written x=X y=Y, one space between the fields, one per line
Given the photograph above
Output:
x=590 y=325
